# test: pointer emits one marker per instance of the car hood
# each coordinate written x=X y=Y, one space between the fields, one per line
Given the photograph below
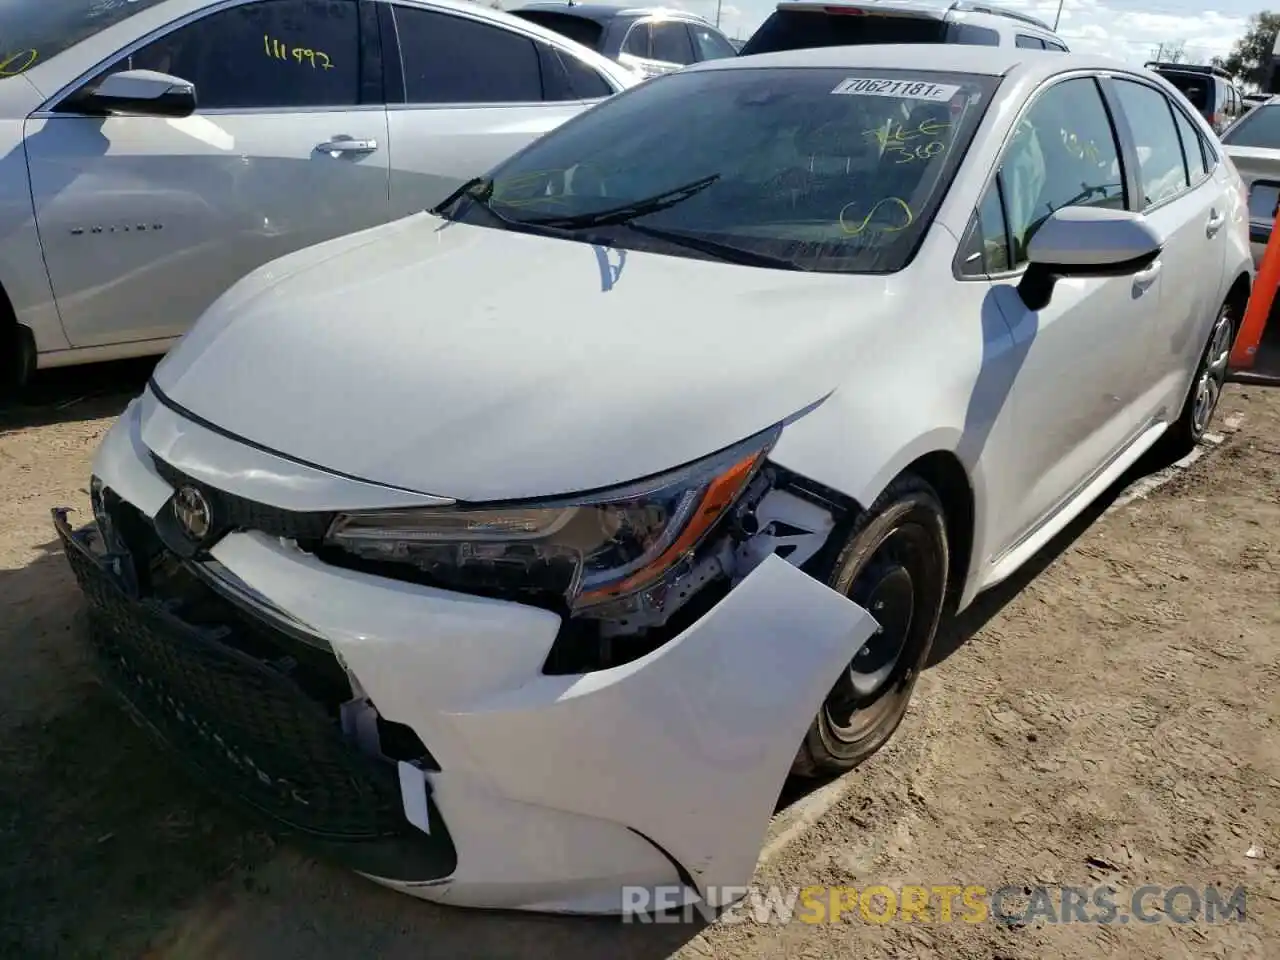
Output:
x=483 y=364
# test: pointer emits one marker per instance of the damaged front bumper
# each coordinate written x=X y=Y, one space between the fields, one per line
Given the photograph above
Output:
x=411 y=731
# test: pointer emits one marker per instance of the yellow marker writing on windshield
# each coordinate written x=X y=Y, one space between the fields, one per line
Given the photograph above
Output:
x=317 y=59
x=857 y=227
x=15 y=63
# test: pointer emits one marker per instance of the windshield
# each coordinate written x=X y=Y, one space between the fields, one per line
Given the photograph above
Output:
x=803 y=29
x=1260 y=127
x=1194 y=88
x=33 y=31
x=835 y=170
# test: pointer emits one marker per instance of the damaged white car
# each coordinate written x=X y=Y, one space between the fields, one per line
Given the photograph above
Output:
x=517 y=551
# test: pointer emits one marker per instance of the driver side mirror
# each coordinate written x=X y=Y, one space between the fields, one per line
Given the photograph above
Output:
x=1086 y=242
x=146 y=93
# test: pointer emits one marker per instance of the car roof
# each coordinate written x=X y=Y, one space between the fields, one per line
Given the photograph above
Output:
x=606 y=11
x=947 y=57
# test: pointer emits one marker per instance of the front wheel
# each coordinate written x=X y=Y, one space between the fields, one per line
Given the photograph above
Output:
x=892 y=562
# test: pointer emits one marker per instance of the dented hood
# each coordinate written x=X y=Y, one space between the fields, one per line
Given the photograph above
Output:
x=482 y=364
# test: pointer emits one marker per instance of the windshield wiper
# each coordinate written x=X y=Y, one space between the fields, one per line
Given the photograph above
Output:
x=627 y=212
x=714 y=248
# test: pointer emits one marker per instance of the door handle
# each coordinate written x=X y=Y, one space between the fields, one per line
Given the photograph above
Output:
x=1143 y=279
x=344 y=144
x=1214 y=223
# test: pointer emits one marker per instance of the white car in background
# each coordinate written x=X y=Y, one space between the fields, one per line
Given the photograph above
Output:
x=1253 y=144
x=517 y=551
x=152 y=152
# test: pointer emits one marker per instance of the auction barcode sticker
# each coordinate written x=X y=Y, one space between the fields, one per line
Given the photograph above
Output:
x=908 y=89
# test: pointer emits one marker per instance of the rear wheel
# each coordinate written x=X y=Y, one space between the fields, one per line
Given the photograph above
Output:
x=1206 y=387
x=893 y=562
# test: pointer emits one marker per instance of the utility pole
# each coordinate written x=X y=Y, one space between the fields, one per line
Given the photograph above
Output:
x=718 y=3
x=1057 y=17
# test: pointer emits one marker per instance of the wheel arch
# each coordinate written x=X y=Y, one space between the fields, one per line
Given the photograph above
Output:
x=17 y=346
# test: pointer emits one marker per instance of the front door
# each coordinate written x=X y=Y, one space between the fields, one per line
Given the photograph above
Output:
x=1076 y=395
x=146 y=220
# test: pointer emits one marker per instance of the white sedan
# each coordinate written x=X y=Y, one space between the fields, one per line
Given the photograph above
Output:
x=518 y=551
x=152 y=152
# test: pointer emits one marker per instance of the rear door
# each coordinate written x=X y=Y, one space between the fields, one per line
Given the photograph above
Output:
x=1186 y=207
x=145 y=220
x=465 y=93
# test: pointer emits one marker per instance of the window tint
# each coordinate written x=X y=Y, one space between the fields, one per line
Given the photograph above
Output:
x=273 y=54
x=1196 y=88
x=637 y=42
x=837 y=170
x=441 y=52
x=1150 y=116
x=584 y=31
x=987 y=245
x=1031 y=43
x=1260 y=127
x=1192 y=146
x=711 y=45
x=32 y=31
x=1063 y=154
x=671 y=42
x=565 y=77
x=804 y=29
x=973 y=35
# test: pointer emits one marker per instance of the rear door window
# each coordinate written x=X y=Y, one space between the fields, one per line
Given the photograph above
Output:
x=806 y=29
x=565 y=77
x=1030 y=43
x=1050 y=45
x=440 y=50
x=1260 y=127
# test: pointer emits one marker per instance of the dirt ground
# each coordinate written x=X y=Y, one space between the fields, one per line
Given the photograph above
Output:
x=1108 y=717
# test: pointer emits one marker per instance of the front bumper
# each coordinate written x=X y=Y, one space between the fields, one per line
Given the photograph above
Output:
x=540 y=792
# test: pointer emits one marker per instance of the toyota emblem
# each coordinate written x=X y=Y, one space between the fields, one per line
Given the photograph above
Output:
x=193 y=512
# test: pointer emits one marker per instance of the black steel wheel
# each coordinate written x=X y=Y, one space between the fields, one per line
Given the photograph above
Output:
x=893 y=561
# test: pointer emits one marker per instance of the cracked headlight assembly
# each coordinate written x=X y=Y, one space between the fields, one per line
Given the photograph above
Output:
x=591 y=548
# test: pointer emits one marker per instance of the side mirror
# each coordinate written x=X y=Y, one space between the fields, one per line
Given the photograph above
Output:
x=145 y=93
x=1086 y=242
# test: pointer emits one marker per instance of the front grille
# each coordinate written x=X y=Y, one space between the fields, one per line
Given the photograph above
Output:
x=242 y=722
x=232 y=512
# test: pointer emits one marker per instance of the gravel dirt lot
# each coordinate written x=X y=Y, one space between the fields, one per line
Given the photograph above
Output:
x=1111 y=716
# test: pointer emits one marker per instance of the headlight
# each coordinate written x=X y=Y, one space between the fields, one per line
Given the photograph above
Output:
x=594 y=547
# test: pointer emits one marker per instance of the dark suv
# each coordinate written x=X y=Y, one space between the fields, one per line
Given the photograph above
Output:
x=1209 y=90
x=800 y=24
x=649 y=40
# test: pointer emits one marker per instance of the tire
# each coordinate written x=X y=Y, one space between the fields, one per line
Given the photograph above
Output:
x=1206 y=388
x=17 y=358
x=894 y=561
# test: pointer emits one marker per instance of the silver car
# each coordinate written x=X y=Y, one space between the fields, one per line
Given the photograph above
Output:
x=154 y=151
x=1253 y=144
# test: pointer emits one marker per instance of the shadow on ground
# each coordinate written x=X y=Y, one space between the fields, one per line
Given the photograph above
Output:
x=69 y=394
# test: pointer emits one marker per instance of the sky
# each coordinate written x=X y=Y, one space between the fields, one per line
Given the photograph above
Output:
x=1130 y=30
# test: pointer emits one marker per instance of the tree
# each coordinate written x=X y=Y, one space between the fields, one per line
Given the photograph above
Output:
x=1250 y=59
